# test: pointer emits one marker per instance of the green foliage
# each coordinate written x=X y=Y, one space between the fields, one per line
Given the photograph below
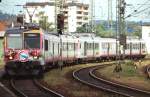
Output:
x=129 y=62
x=85 y=28
x=129 y=70
x=43 y=22
x=136 y=28
x=102 y=32
x=99 y=30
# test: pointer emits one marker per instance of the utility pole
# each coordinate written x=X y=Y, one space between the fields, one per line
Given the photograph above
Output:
x=120 y=31
x=110 y=14
x=121 y=24
x=92 y=15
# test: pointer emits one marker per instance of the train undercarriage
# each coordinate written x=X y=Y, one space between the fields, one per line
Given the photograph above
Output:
x=23 y=68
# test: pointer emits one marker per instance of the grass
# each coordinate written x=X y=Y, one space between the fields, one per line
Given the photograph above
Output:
x=62 y=81
x=130 y=75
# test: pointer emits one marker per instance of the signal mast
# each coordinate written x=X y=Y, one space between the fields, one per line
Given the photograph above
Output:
x=59 y=15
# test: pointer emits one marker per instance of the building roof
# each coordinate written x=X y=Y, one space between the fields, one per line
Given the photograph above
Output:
x=52 y=4
x=39 y=3
x=145 y=24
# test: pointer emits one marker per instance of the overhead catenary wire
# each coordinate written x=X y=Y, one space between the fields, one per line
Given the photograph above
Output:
x=136 y=10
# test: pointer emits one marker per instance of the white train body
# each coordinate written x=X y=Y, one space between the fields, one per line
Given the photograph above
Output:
x=43 y=49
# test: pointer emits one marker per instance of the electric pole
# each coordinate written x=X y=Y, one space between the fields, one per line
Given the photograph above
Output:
x=120 y=31
x=92 y=15
x=110 y=14
x=121 y=24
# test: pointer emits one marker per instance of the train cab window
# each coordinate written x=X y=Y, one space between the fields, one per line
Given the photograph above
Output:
x=46 y=45
x=13 y=39
x=31 y=40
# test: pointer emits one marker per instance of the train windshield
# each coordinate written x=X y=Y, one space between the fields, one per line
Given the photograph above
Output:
x=14 y=41
x=31 y=40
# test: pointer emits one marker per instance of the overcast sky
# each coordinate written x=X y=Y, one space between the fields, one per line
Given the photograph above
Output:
x=101 y=7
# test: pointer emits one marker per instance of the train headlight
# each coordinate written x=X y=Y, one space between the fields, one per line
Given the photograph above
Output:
x=10 y=57
x=10 y=54
x=35 y=57
x=35 y=54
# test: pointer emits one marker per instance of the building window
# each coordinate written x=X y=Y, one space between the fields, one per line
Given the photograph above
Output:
x=85 y=8
x=79 y=12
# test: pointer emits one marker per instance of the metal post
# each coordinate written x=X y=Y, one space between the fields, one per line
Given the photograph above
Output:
x=110 y=14
x=120 y=31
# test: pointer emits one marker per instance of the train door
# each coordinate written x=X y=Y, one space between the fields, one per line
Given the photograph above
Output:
x=93 y=49
x=140 y=47
x=46 y=48
x=53 y=52
x=108 y=50
x=130 y=50
x=85 y=48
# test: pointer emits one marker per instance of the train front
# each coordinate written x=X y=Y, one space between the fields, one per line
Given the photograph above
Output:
x=23 y=51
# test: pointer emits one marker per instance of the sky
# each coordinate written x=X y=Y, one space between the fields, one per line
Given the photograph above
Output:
x=101 y=8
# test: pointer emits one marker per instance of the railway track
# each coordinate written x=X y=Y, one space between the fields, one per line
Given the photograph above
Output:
x=31 y=88
x=5 y=92
x=86 y=76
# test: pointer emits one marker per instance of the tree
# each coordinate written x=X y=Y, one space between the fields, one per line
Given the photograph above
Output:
x=85 y=28
x=43 y=22
x=102 y=32
x=99 y=30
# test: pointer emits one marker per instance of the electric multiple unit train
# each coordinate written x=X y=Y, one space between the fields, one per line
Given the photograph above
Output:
x=30 y=51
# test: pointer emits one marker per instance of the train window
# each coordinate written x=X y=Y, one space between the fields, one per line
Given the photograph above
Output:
x=105 y=45
x=70 y=46
x=58 y=48
x=31 y=40
x=96 y=46
x=46 y=45
x=128 y=46
x=64 y=46
x=143 y=46
x=102 y=45
x=138 y=46
x=14 y=39
x=110 y=46
x=132 y=46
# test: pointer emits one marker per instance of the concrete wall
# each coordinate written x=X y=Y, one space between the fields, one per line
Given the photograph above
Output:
x=146 y=37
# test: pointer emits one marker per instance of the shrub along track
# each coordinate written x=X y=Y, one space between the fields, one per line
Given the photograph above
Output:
x=86 y=76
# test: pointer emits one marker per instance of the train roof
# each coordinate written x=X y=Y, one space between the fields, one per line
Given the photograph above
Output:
x=15 y=30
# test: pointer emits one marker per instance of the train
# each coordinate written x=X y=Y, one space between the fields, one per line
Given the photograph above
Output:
x=32 y=50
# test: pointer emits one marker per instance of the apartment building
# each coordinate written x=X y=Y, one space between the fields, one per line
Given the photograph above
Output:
x=76 y=13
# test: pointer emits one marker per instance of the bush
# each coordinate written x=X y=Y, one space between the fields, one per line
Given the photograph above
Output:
x=129 y=62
